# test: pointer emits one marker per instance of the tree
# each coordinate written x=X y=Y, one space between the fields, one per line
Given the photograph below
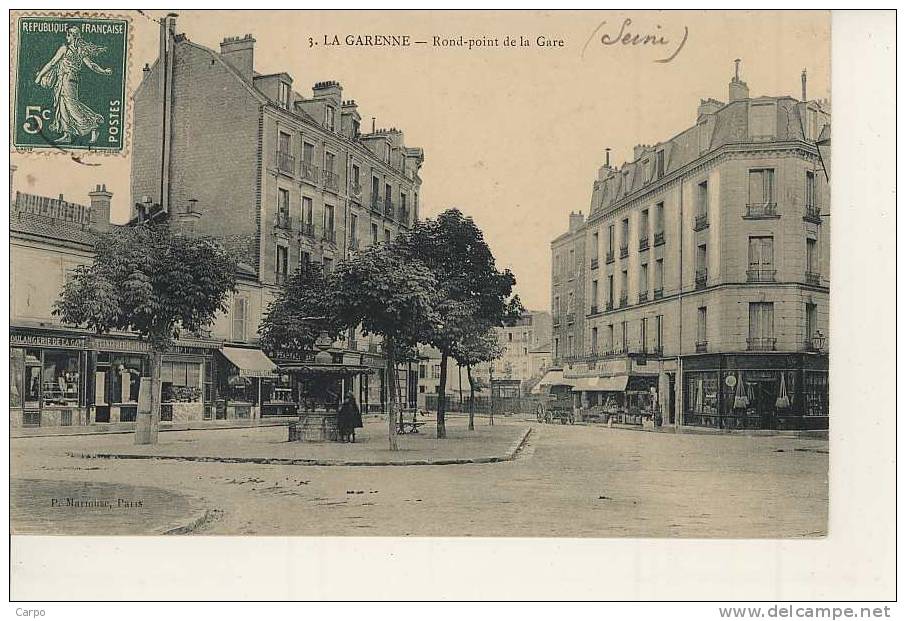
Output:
x=155 y=283
x=473 y=292
x=388 y=294
x=478 y=346
x=288 y=326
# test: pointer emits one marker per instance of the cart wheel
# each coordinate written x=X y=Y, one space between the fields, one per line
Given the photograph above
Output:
x=539 y=412
x=572 y=418
x=548 y=417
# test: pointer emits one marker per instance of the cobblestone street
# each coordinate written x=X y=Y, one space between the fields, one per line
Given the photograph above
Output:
x=568 y=481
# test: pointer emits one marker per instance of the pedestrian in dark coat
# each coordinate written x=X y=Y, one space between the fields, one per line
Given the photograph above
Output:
x=349 y=419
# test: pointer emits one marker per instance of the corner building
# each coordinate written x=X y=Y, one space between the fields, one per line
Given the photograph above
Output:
x=704 y=281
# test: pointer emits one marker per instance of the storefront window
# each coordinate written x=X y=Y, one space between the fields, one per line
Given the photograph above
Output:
x=16 y=376
x=124 y=377
x=61 y=378
x=816 y=394
x=32 y=378
x=180 y=382
x=701 y=393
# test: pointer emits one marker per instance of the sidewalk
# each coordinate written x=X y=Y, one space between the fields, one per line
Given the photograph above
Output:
x=269 y=445
x=118 y=428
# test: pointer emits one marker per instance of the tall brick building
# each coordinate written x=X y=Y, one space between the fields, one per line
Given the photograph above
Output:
x=700 y=279
x=282 y=177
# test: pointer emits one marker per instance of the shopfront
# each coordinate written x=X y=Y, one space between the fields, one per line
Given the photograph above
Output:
x=739 y=391
x=630 y=399
x=247 y=379
x=47 y=380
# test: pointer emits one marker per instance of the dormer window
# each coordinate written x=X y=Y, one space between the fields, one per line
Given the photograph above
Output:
x=283 y=97
x=387 y=153
x=329 y=118
x=355 y=128
x=762 y=120
x=659 y=164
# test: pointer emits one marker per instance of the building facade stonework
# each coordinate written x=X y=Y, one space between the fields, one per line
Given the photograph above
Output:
x=704 y=273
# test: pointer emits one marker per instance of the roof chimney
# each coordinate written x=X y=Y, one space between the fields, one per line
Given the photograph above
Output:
x=100 y=207
x=708 y=106
x=804 y=97
x=239 y=52
x=607 y=156
x=739 y=90
x=576 y=220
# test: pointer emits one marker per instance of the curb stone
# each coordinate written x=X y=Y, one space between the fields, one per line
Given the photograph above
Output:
x=509 y=455
x=198 y=519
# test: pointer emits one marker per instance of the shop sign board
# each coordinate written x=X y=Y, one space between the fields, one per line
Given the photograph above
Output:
x=45 y=340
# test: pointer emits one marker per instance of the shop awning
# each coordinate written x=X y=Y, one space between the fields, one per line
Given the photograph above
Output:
x=554 y=377
x=250 y=362
x=311 y=368
x=617 y=383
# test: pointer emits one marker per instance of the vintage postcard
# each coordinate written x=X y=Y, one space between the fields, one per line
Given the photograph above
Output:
x=419 y=274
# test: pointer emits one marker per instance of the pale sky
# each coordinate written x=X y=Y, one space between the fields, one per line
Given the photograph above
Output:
x=513 y=136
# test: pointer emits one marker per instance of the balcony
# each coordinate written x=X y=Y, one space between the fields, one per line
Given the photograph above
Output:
x=624 y=300
x=331 y=181
x=308 y=229
x=643 y=243
x=330 y=236
x=609 y=305
x=761 y=344
x=758 y=274
x=377 y=203
x=310 y=173
x=286 y=163
x=570 y=317
x=701 y=223
x=624 y=252
x=388 y=208
x=594 y=309
x=355 y=192
x=594 y=263
x=282 y=220
x=761 y=211
x=643 y=296
x=659 y=239
x=813 y=278
x=556 y=320
x=658 y=293
x=701 y=347
x=701 y=278
x=609 y=257
x=812 y=214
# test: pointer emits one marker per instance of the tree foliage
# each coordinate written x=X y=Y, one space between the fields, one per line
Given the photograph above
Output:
x=148 y=281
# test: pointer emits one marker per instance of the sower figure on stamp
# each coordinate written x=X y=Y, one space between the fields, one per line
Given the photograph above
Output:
x=61 y=73
x=349 y=419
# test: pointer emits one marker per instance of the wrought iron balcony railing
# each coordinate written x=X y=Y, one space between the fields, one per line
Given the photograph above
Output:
x=331 y=181
x=282 y=220
x=286 y=163
x=701 y=278
x=609 y=257
x=701 y=347
x=329 y=235
x=643 y=296
x=658 y=293
x=643 y=243
x=594 y=263
x=308 y=229
x=594 y=309
x=624 y=300
x=388 y=208
x=760 y=274
x=657 y=350
x=609 y=305
x=659 y=239
x=355 y=192
x=755 y=211
x=761 y=344
x=701 y=222
x=624 y=252
x=570 y=317
x=812 y=214
x=310 y=172
x=556 y=319
x=813 y=278
x=377 y=203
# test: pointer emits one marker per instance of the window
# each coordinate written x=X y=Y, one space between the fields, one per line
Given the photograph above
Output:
x=283 y=202
x=60 y=378
x=308 y=153
x=610 y=289
x=701 y=200
x=374 y=233
x=387 y=235
x=610 y=338
x=594 y=340
x=355 y=176
x=180 y=381
x=569 y=303
x=387 y=153
x=569 y=345
x=375 y=190
x=761 y=325
x=809 y=189
x=624 y=284
x=701 y=334
x=811 y=255
x=643 y=333
x=557 y=347
x=659 y=218
x=811 y=320
x=328 y=265
x=435 y=371
x=594 y=246
x=328 y=220
x=762 y=120
x=509 y=337
x=660 y=163
x=283 y=145
x=557 y=305
x=353 y=229
x=403 y=204
x=625 y=240
x=761 y=253
x=701 y=258
x=329 y=162
x=659 y=332
x=422 y=371
x=624 y=333
x=594 y=294
x=304 y=257
x=659 y=275
x=643 y=229
x=572 y=262
x=761 y=186
x=240 y=318
x=329 y=118
x=388 y=196
x=282 y=263
x=643 y=279
x=704 y=137
x=284 y=94
x=610 y=240
x=307 y=214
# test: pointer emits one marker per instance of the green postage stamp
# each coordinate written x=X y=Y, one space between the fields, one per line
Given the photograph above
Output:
x=70 y=91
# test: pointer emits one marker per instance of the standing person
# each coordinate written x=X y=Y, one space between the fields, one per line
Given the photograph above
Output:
x=349 y=419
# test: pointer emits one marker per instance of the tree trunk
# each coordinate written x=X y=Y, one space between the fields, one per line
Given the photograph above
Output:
x=491 y=399
x=147 y=426
x=442 y=397
x=471 y=397
x=391 y=385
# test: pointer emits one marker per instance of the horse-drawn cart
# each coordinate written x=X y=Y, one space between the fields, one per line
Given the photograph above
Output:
x=555 y=403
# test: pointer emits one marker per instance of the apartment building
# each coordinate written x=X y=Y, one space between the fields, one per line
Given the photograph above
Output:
x=526 y=347
x=705 y=278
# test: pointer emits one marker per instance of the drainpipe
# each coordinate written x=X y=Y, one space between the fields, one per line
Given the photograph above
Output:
x=679 y=396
